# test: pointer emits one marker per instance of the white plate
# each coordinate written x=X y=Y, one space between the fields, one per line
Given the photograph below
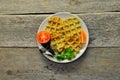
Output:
x=64 y=15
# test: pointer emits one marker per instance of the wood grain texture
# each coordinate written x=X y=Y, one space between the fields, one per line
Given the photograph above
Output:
x=29 y=64
x=52 y=6
x=20 y=30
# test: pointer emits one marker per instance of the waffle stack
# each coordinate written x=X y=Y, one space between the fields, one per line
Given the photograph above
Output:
x=64 y=33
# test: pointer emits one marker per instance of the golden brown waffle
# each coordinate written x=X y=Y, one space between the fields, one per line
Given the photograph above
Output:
x=64 y=33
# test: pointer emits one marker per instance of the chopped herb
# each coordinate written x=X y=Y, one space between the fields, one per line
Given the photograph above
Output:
x=68 y=54
x=59 y=56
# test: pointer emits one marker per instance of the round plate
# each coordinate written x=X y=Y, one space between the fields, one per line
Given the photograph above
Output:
x=64 y=15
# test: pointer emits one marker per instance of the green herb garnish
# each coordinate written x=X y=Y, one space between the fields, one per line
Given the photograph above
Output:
x=67 y=54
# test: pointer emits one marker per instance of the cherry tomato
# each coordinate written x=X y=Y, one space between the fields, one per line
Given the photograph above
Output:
x=43 y=37
x=83 y=36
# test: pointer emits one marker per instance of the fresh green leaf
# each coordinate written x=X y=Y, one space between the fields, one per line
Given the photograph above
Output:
x=67 y=50
x=59 y=56
x=67 y=54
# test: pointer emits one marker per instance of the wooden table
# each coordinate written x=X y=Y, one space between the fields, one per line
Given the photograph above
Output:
x=20 y=58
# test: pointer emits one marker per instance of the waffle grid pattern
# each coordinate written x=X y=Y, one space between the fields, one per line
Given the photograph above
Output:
x=64 y=33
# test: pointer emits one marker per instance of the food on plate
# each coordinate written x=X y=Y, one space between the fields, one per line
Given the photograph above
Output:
x=43 y=37
x=67 y=54
x=66 y=36
x=64 y=33
x=83 y=36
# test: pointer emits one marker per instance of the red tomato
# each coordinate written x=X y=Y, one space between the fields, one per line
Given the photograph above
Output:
x=43 y=37
x=83 y=36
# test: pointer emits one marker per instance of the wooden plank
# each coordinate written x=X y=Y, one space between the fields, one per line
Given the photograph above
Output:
x=20 y=30
x=52 y=6
x=29 y=64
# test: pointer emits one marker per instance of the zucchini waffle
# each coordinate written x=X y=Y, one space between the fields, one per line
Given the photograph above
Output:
x=64 y=33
